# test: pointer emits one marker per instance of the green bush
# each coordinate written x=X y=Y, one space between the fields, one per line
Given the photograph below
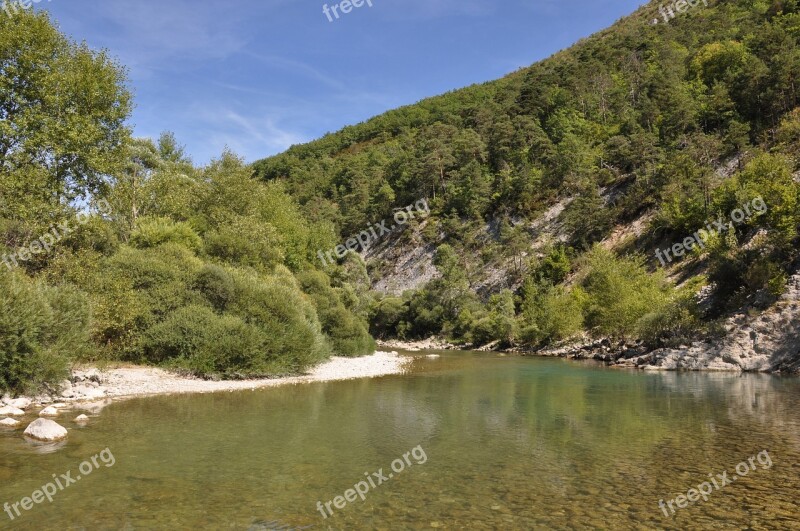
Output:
x=137 y=288
x=276 y=305
x=386 y=315
x=620 y=292
x=196 y=339
x=263 y=326
x=246 y=242
x=152 y=232
x=347 y=332
x=216 y=285
x=551 y=313
x=41 y=329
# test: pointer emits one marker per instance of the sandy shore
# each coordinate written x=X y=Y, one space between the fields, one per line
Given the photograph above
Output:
x=145 y=381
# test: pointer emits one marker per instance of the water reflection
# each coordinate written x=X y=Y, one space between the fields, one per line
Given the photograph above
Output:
x=512 y=443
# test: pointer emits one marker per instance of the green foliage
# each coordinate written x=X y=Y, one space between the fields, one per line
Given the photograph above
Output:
x=263 y=325
x=42 y=329
x=152 y=232
x=246 y=241
x=550 y=313
x=347 y=332
x=196 y=339
x=620 y=293
x=63 y=107
x=500 y=324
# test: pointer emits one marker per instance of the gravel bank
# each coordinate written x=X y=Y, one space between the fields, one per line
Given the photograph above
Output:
x=145 y=381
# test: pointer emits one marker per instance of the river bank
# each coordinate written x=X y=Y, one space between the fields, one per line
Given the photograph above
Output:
x=91 y=383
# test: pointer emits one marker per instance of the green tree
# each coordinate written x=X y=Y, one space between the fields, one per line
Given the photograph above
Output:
x=62 y=113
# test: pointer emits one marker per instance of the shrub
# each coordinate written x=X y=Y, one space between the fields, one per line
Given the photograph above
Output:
x=40 y=329
x=246 y=242
x=216 y=285
x=197 y=339
x=276 y=305
x=551 y=313
x=386 y=315
x=135 y=289
x=152 y=232
x=620 y=292
x=347 y=332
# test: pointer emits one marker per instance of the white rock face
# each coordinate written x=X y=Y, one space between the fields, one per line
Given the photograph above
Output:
x=21 y=403
x=46 y=430
x=11 y=410
x=766 y=342
x=8 y=422
x=49 y=411
x=81 y=418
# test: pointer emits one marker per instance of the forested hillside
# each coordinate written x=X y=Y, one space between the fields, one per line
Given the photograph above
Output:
x=665 y=127
x=122 y=249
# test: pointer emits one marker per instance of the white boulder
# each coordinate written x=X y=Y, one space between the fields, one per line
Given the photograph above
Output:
x=11 y=410
x=46 y=430
x=9 y=422
x=21 y=403
x=49 y=411
x=81 y=418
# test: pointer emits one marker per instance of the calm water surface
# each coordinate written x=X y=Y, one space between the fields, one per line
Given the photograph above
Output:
x=511 y=443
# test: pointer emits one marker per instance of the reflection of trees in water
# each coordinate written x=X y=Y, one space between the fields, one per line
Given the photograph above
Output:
x=770 y=401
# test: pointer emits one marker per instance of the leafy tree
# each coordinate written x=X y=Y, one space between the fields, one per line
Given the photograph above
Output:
x=62 y=109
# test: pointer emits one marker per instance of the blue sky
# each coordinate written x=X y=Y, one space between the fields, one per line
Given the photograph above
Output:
x=260 y=75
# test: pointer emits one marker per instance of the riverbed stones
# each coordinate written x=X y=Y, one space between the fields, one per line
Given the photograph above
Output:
x=88 y=392
x=9 y=422
x=49 y=411
x=12 y=411
x=46 y=430
x=81 y=418
x=21 y=403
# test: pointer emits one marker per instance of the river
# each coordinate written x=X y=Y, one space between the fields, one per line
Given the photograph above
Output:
x=490 y=442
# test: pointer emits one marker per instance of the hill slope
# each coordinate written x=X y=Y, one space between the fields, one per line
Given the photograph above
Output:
x=631 y=141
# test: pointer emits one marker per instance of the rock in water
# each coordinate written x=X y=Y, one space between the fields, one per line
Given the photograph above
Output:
x=46 y=430
x=49 y=411
x=8 y=422
x=21 y=403
x=11 y=410
x=81 y=418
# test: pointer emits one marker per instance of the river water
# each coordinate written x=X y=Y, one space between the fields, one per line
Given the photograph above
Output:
x=490 y=442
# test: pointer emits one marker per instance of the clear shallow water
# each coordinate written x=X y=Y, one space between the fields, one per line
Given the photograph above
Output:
x=511 y=443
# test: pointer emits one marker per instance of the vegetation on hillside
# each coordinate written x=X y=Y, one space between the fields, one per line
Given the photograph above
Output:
x=638 y=119
x=214 y=269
